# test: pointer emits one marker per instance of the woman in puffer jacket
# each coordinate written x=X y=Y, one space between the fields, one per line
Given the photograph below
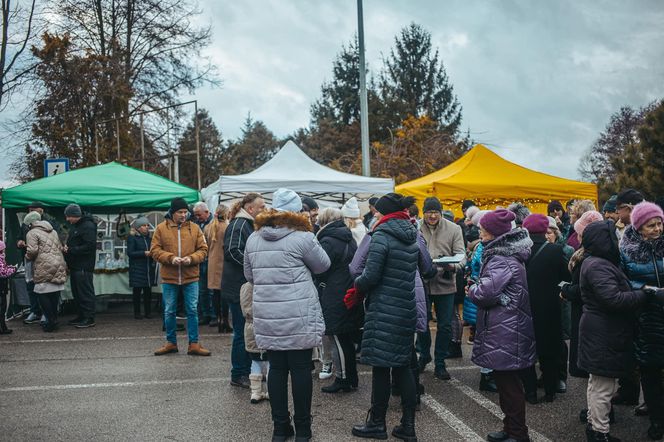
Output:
x=388 y=282
x=279 y=259
x=505 y=337
x=44 y=249
x=606 y=330
x=425 y=270
x=340 y=323
x=642 y=253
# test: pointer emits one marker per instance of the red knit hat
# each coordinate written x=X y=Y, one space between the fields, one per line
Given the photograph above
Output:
x=536 y=224
x=644 y=212
x=498 y=222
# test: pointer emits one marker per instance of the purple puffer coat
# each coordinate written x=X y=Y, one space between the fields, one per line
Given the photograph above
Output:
x=425 y=266
x=505 y=337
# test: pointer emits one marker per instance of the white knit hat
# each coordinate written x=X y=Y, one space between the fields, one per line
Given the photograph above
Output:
x=350 y=209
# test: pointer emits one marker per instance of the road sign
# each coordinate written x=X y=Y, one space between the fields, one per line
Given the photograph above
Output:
x=55 y=166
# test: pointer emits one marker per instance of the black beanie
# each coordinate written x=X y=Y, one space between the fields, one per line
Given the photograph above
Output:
x=432 y=204
x=629 y=196
x=372 y=201
x=308 y=204
x=554 y=205
x=390 y=203
x=466 y=204
x=178 y=204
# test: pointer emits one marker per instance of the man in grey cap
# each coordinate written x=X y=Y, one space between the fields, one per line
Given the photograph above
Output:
x=81 y=254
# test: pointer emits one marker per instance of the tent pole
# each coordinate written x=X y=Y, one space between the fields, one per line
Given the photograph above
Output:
x=4 y=221
x=364 y=116
x=198 y=144
x=117 y=129
x=142 y=144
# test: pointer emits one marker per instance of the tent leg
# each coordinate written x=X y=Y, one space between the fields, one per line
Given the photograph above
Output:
x=3 y=223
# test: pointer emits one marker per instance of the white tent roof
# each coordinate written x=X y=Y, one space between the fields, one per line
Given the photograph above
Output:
x=293 y=169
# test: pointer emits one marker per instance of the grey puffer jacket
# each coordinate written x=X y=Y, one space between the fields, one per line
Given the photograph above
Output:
x=505 y=337
x=279 y=259
x=44 y=248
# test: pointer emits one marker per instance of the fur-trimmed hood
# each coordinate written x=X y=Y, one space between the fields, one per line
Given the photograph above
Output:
x=639 y=250
x=516 y=243
x=274 y=225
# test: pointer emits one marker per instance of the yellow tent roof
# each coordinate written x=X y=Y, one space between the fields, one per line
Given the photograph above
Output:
x=490 y=180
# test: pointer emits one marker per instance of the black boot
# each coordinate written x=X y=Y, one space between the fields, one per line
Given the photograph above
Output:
x=337 y=386
x=406 y=431
x=487 y=383
x=596 y=436
x=282 y=431
x=454 y=351
x=656 y=431
x=374 y=427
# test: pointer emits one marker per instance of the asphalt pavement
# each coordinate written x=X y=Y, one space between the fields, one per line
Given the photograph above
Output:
x=104 y=384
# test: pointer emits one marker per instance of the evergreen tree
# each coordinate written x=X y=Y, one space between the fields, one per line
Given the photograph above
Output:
x=257 y=145
x=414 y=82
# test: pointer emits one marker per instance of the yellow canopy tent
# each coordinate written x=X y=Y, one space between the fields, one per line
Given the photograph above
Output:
x=490 y=180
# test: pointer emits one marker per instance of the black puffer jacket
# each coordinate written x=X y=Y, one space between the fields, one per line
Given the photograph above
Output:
x=235 y=240
x=643 y=262
x=337 y=241
x=606 y=331
x=388 y=280
x=141 y=268
x=82 y=244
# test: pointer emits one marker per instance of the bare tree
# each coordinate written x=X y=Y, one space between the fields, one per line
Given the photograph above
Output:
x=17 y=32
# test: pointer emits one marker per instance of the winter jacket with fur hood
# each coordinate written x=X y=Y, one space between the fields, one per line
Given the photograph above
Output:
x=235 y=239
x=170 y=240
x=505 y=337
x=643 y=262
x=279 y=259
x=43 y=247
x=388 y=281
x=606 y=330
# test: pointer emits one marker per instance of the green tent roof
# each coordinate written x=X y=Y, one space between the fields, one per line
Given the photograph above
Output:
x=103 y=189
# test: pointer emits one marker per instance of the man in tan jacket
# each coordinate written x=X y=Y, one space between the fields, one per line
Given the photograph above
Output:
x=443 y=238
x=179 y=246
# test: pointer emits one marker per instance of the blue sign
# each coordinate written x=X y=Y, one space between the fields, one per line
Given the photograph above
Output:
x=55 y=166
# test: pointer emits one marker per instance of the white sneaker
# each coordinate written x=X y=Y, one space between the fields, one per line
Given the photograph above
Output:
x=325 y=371
x=43 y=319
x=31 y=319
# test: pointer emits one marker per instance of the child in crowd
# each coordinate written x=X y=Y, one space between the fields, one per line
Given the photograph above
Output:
x=5 y=272
x=260 y=366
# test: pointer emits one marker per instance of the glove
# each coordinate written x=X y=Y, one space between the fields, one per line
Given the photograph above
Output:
x=352 y=298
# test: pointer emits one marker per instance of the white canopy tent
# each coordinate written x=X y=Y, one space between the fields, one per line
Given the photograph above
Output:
x=293 y=169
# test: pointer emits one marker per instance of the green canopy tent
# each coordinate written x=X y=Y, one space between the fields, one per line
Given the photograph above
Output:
x=105 y=189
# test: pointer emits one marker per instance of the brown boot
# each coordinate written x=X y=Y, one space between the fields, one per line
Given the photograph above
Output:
x=169 y=347
x=196 y=350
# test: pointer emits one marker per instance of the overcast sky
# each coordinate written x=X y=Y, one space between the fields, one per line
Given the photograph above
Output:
x=537 y=80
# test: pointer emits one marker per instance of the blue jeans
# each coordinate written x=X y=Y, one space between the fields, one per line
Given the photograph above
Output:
x=444 y=309
x=240 y=360
x=34 y=299
x=205 y=295
x=170 y=301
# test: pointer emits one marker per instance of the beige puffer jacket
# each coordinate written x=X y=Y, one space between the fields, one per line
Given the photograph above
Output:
x=45 y=249
x=246 y=303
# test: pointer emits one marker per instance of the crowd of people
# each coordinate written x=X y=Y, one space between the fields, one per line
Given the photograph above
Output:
x=575 y=292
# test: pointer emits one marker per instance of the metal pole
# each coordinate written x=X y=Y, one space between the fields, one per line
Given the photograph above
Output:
x=117 y=136
x=142 y=144
x=96 y=144
x=176 y=171
x=198 y=144
x=364 y=116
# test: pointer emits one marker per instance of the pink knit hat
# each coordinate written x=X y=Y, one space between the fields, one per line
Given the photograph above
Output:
x=644 y=212
x=498 y=222
x=587 y=218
